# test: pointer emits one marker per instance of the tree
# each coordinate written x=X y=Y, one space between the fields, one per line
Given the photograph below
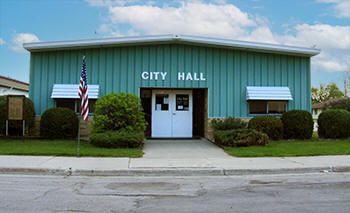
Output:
x=323 y=94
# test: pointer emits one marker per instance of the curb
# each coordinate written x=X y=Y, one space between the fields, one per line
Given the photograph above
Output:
x=171 y=172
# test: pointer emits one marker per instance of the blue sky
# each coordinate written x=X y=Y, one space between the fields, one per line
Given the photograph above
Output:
x=324 y=23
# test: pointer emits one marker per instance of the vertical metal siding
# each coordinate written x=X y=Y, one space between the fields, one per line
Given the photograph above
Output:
x=228 y=72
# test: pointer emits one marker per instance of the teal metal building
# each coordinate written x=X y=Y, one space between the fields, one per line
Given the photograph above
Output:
x=183 y=81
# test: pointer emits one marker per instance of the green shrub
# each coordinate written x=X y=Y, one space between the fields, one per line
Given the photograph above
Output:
x=59 y=123
x=16 y=126
x=334 y=123
x=240 y=137
x=117 y=139
x=228 y=123
x=297 y=124
x=119 y=111
x=339 y=103
x=272 y=126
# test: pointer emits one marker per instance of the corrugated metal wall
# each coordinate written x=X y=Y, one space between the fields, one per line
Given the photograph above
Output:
x=227 y=71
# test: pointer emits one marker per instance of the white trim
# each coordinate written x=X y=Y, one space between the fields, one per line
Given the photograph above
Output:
x=118 y=41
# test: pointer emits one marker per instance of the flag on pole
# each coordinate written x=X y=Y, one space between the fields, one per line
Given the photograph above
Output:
x=83 y=92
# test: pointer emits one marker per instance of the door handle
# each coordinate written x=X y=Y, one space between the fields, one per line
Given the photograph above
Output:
x=174 y=113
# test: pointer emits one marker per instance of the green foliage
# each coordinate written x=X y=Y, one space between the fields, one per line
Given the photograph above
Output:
x=59 y=123
x=270 y=125
x=16 y=126
x=117 y=139
x=291 y=148
x=228 y=123
x=119 y=111
x=339 y=103
x=323 y=94
x=297 y=124
x=334 y=123
x=240 y=137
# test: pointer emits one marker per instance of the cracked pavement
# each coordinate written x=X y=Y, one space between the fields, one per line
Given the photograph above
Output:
x=312 y=192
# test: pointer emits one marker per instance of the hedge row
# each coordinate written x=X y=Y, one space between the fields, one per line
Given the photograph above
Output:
x=240 y=137
x=334 y=123
x=118 y=139
x=59 y=123
x=272 y=126
x=297 y=124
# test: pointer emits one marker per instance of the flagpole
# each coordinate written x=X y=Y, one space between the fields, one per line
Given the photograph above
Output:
x=78 y=137
x=84 y=99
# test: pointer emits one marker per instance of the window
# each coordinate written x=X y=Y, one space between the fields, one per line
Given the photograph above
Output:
x=182 y=102
x=74 y=104
x=267 y=107
x=162 y=102
x=67 y=103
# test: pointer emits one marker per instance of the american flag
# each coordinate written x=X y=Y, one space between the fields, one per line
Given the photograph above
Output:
x=83 y=92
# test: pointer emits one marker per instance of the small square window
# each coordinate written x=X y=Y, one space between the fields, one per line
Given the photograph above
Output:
x=277 y=107
x=162 y=102
x=257 y=107
x=182 y=102
x=67 y=103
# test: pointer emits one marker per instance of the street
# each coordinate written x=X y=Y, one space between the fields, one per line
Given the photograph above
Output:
x=318 y=192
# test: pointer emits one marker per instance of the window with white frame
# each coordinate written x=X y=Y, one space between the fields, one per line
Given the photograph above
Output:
x=74 y=104
x=267 y=107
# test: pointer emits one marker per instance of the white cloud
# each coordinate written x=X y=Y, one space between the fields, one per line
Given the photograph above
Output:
x=331 y=62
x=2 y=41
x=190 y=18
x=109 y=3
x=334 y=42
x=225 y=20
x=21 y=38
x=341 y=7
x=322 y=35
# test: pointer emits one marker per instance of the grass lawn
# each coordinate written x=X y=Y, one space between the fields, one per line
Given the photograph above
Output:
x=61 y=148
x=288 y=148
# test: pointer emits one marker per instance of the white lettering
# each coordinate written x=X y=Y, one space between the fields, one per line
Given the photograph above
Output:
x=189 y=77
x=145 y=75
x=156 y=75
x=202 y=77
x=163 y=74
x=195 y=77
x=180 y=76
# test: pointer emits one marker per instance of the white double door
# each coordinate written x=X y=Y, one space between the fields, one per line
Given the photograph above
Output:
x=172 y=113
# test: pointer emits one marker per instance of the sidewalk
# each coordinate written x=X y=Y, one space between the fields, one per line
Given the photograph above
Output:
x=173 y=158
x=210 y=166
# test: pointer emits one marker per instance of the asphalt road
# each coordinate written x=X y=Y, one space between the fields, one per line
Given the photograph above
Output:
x=328 y=192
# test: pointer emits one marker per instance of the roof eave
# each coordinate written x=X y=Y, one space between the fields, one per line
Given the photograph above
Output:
x=93 y=43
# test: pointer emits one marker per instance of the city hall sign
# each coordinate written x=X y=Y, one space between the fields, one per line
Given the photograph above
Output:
x=181 y=76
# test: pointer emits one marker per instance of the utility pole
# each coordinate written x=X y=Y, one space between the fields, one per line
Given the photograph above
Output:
x=345 y=90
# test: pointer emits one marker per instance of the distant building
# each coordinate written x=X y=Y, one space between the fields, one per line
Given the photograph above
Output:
x=317 y=109
x=9 y=86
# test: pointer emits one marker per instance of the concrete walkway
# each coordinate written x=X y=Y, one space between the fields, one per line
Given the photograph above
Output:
x=180 y=157
x=179 y=154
